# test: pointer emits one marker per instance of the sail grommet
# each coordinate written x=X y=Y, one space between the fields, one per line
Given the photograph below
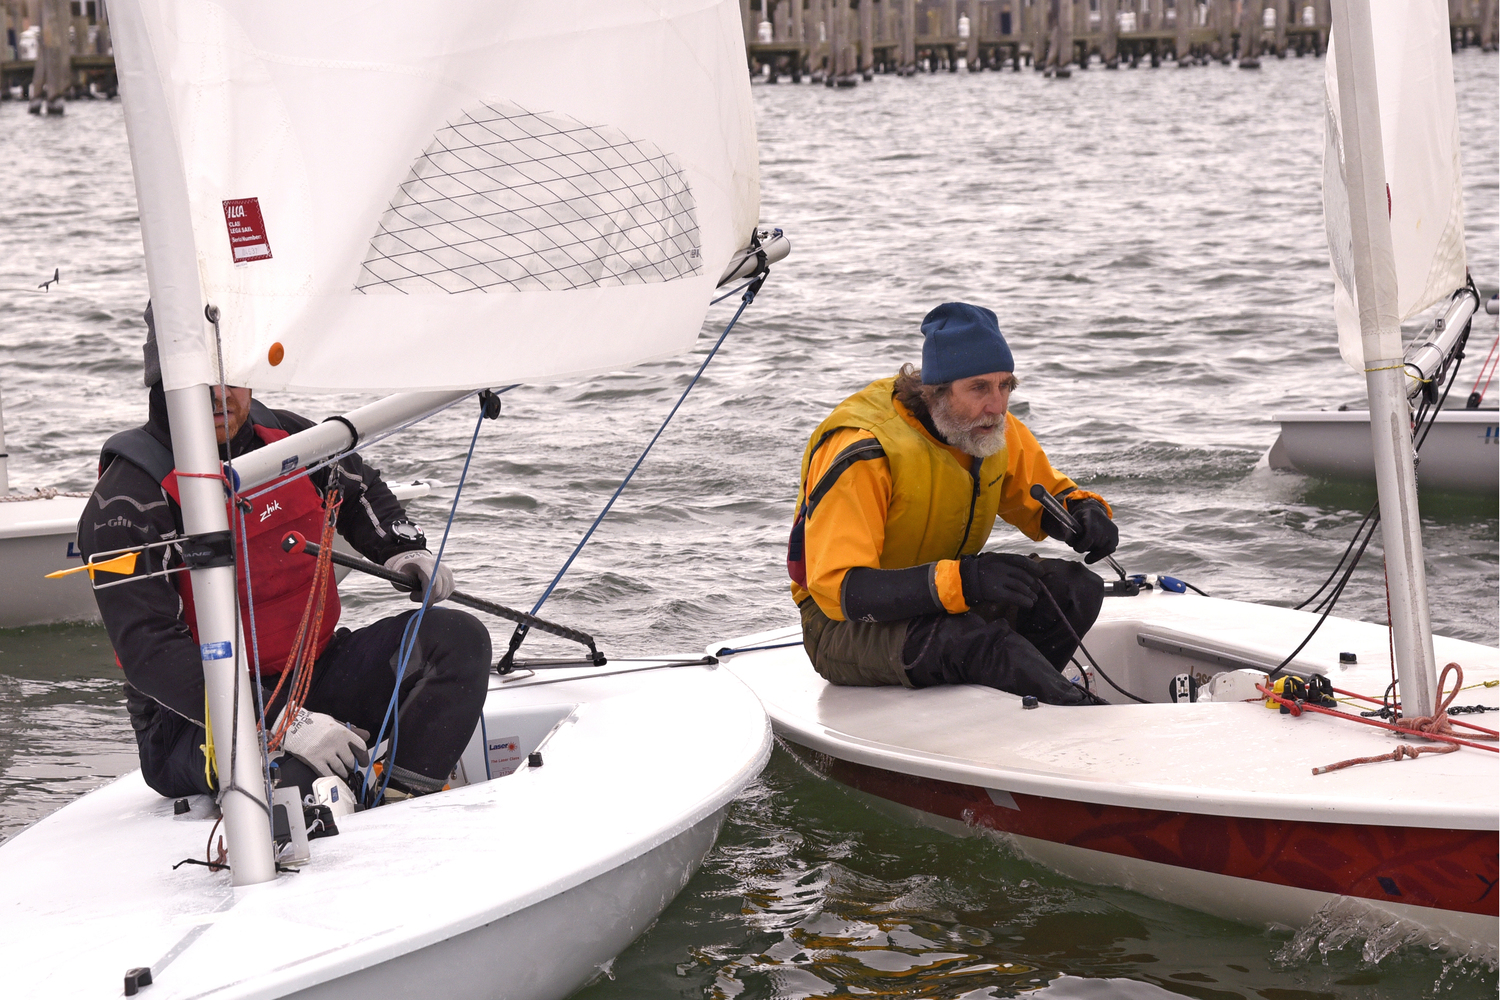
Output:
x=276 y=354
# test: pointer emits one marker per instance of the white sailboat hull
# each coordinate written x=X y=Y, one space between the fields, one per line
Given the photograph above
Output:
x=1461 y=453
x=520 y=886
x=547 y=950
x=1208 y=805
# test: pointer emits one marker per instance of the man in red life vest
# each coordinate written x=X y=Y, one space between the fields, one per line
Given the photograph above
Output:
x=152 y=623
x=901 y=486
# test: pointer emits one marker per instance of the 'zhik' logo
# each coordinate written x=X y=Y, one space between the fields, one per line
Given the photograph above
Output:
x=271 y=508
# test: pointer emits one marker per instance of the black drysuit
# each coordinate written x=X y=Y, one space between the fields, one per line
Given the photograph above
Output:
x=444 y=683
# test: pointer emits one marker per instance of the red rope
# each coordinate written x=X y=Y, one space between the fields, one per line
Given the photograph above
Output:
x=1432 y=727
x=1376 y=701
x=305 y=642
x=1486 y=367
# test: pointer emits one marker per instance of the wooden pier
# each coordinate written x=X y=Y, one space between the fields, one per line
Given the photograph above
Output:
x=838 y=42
x=54 y=50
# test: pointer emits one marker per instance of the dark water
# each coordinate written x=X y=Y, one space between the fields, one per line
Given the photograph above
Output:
x=1152 y=242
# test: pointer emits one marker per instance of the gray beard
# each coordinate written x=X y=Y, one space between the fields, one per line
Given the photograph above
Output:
x=963 y=436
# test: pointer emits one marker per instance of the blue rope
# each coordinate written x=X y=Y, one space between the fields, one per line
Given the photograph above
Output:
x=519 y=635
x=392 y=715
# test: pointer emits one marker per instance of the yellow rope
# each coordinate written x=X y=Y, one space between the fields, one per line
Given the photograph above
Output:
x=210 y=766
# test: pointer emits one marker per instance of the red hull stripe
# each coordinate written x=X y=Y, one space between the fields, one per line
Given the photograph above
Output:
x=1445 y=869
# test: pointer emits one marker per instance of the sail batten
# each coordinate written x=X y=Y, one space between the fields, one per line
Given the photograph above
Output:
x=447 y=195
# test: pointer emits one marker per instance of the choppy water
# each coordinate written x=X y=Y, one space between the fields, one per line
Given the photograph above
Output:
x=1153 y=244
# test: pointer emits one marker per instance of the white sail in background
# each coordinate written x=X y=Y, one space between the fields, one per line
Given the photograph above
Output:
x=1419 y=129
x=395 y=195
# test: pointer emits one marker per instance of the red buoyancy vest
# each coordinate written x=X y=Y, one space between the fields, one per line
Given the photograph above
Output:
x=282 y=580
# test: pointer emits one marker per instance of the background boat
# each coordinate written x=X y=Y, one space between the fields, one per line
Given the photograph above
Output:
x=1462 y=451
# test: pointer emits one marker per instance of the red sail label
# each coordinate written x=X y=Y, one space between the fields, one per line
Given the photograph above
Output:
x=247 y=230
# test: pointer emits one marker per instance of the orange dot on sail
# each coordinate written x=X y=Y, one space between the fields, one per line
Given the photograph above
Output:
x=275 y=354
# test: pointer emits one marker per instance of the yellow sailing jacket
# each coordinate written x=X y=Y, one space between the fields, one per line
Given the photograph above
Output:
x=923 y=501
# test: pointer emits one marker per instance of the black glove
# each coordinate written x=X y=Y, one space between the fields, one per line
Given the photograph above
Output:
x=1099 y=536
x=1000 y=578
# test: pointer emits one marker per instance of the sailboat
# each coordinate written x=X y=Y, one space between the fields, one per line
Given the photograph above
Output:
x=1233 y=770
x=427 y=200
x=37 y=530
x=1456 y=445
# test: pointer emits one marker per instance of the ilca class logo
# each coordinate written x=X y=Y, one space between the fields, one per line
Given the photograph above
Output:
x=271 y=508
x=247 y=230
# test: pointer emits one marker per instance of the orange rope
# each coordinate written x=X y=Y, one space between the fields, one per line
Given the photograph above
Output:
x=305 y=642
x=1432 y=727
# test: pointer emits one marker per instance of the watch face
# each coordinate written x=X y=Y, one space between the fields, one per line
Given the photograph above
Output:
x=406 y=531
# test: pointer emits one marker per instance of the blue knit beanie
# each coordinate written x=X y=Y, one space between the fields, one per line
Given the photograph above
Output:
x=962 y=341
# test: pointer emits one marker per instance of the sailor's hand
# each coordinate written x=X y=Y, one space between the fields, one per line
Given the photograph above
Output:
x=325 y=744
x=1098 y=536
x=418 y=564
x=1000 y=578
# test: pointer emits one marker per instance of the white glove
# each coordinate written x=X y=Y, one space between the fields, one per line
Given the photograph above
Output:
x=325 y=744
x=417 y=564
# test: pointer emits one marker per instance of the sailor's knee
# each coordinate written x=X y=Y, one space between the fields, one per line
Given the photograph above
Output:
x=459 y=642
x=1078 y=589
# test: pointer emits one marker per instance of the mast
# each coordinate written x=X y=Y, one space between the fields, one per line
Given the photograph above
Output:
x=1380 y=331
x=177 y=302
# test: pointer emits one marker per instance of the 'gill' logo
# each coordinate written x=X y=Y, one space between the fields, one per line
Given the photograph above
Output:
x=271 y=508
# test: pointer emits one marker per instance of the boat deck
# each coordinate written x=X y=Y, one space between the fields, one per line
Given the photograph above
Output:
x=1230 y=759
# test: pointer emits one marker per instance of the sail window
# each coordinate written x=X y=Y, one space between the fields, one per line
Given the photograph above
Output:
x=504 y=199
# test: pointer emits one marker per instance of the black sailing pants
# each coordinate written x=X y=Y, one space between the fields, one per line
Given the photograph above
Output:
x=1020 y=651
x=442 y=694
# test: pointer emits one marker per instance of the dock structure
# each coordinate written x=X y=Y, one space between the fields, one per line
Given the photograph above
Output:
x=839 y=42
x=53 y=50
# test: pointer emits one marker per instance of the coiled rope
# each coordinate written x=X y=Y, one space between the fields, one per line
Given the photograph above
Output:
x=1436 y=726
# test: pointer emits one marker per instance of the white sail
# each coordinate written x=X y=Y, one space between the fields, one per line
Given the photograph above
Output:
x=1419 y=130
x=393 y=195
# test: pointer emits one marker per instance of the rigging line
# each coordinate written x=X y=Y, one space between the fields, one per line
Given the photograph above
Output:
x=1373 y=512
x=1485 y=367
x=1090 y=656
x=413 y=626
x=1328 y=610
x=519 y=635
x=734 y=291
x=1424 y=422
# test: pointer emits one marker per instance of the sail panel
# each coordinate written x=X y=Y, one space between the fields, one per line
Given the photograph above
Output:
x=389 y=195
x=1419 y=133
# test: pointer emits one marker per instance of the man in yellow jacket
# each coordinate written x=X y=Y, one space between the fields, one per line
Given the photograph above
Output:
x=901 y=486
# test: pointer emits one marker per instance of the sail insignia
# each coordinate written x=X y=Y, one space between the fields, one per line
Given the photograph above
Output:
x=506 y=199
